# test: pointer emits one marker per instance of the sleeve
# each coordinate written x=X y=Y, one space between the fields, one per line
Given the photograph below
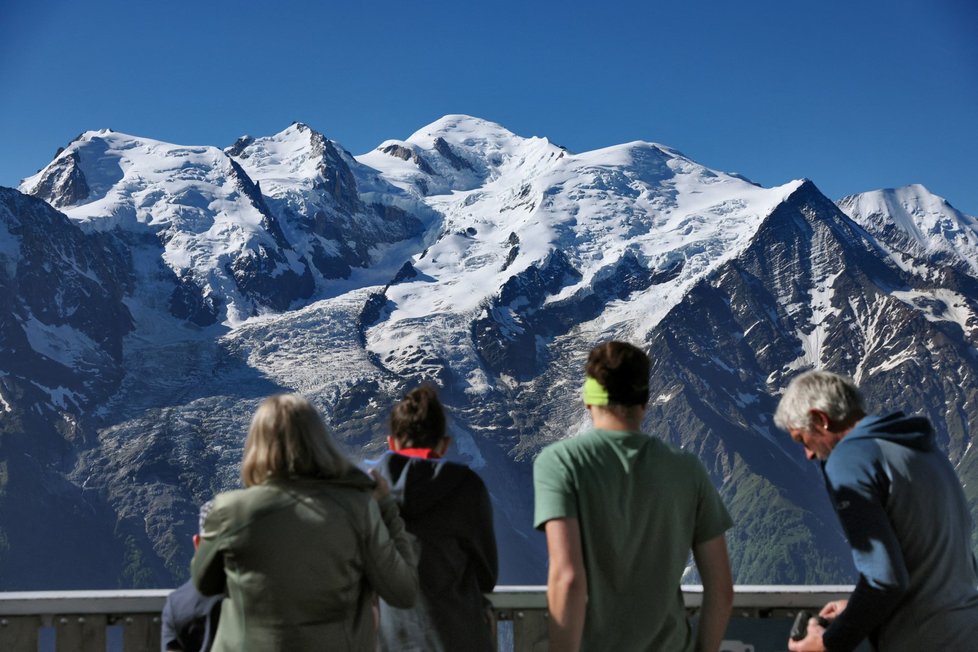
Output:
x=712 y=517
x=858 y=488
x=553 y=491
x=168 y=630
x=390 y=559
x=482 y=541
x=207 y=565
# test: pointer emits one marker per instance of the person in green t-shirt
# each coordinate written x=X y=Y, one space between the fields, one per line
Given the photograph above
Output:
x=621 y=512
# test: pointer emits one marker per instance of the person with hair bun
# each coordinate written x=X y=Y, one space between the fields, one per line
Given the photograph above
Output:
x=303 y=549
x=446 y=506
x=621 y=512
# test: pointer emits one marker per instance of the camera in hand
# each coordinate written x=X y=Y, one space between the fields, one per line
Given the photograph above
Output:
x=799 y=629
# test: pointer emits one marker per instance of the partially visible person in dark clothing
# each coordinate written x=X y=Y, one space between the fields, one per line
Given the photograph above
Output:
x=189 y=618
x=446 y=506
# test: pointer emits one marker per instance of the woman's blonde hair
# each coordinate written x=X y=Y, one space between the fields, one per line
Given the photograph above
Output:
x=287 y=437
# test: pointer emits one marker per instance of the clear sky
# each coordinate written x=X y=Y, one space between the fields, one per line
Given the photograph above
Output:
x=853 y=94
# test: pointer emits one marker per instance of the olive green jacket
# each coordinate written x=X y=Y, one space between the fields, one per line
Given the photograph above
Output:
x=300 y=562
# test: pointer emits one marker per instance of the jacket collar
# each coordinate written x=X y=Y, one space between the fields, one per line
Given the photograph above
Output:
x=423 y=453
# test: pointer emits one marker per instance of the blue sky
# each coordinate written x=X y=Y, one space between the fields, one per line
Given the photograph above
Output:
x=853 y=95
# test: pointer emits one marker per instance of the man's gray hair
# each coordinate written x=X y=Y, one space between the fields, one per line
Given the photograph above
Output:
x=831 y=393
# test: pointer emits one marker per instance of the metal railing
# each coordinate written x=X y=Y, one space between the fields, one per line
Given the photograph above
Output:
x=129 y=621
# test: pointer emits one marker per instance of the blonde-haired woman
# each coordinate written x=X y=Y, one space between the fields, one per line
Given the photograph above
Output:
x=303 y=548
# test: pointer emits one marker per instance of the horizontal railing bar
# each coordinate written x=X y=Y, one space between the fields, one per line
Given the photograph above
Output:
x=518 y=597
x=40 y=603
x=135 y=601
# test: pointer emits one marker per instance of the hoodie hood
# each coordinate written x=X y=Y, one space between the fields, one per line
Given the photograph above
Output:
x=417 y=484
x=352 y=477
x=912 y=432
x=355 y=477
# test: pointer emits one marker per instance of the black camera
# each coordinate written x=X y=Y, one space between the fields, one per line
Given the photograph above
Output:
x=799 y=629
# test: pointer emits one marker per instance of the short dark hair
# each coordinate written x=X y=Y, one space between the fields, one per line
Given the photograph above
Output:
x=418 y=421
x=623 y=370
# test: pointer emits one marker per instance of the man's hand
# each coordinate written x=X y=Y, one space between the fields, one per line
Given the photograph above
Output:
x=833 y=609
x=812 y=641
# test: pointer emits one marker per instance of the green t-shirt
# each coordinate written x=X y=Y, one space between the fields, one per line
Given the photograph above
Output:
x=642 y=505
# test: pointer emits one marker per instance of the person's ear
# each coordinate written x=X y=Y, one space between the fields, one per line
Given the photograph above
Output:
x=819 y=419
x=392 y=443
x=443 y=445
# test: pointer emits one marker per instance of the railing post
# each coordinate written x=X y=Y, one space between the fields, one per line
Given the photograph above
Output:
x=19 y=632
x=530 y=630
x=80 y=633
x=140 y=633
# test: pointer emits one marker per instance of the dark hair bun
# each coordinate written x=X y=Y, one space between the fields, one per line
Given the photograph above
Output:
x=418 y=421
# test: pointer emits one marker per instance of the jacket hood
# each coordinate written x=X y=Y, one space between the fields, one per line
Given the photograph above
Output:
x=353 y=477
x=912 y=432
x=417 y=484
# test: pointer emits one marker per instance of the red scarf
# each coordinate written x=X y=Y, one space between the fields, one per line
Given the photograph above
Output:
x=423 y=453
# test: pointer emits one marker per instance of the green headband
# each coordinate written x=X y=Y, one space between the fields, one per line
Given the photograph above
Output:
x=595 y=393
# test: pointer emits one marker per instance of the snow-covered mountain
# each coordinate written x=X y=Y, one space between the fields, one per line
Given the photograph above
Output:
x=323 y=197
x=488 y=263
x=213 y=250
x=531 y=251
x=217 y=247
x=917 y=225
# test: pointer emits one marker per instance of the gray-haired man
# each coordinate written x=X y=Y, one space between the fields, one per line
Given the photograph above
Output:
x=905 y=515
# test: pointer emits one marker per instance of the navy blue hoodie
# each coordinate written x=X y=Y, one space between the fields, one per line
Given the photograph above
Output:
x=446 y=506
x=907 y=520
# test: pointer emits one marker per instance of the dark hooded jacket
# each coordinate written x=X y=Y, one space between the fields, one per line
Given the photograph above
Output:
x=189 y=619
x=446 y=506
x=904 y=512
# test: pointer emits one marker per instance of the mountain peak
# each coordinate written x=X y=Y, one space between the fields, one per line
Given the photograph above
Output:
x=458 y=128
x=483 y=143
x=915 y=220
x=911 y=200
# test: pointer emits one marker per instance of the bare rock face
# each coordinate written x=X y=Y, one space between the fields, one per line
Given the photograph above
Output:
x=63 y=184
x=407 y=154
x=319 y=204
x=456 y=161
x=64 y=290
x=63 y=321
